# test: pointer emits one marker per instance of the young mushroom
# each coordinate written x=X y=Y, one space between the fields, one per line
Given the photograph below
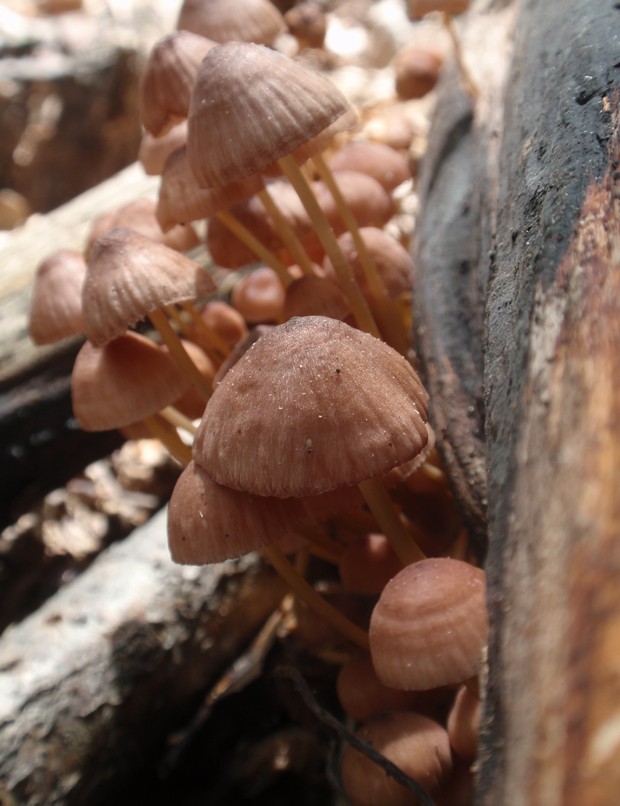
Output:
x=430 y=624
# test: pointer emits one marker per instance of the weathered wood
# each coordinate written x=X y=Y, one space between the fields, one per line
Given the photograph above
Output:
x=453 y=241
x=91 y=684
x=539 y=306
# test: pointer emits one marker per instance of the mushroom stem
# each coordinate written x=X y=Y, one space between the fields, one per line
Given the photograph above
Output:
x=388 y=315
x=178 y=419
x=468 y=81
x=179 y=353
x=259 y=249
x=169 y=439
x=357 y=301
x=286 y=233
x=386 y=515
x=219 y=347
x=304 y=590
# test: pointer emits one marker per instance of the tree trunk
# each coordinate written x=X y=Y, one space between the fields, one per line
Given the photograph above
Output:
x=524 y=307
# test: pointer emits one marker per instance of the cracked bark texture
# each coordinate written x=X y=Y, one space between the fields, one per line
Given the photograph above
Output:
x=519 y=271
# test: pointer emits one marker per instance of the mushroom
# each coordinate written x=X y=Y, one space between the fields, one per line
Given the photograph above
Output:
x=384 y=163
x=128 y=380
x=56 y=304
x=244 y=20
x=315 y=405
x=418 y=745
x=129 y=277
x=167 y=79
x=293 y=112
x=429 y=625
x=208 y=522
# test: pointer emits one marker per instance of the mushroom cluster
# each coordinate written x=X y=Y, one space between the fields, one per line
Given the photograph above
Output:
x=286 y=390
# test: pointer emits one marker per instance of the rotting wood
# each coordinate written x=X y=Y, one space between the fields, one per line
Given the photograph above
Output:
x=539 y=309
x=91 y=684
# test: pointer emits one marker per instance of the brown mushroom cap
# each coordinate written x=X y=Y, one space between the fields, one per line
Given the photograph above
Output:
x=392 y=260
x=312 y=406
x=429 y=625
x=56 y=305
x=168 y=77
x=126 y=380
x=388 y=166
x=250 y=106
x=244 y=20
x=415 y=743
x=259 y=296
x=130 y=275
x=311 y=295
x=209 y=523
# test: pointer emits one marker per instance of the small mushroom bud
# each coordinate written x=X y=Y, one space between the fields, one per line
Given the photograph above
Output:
x=429 y=625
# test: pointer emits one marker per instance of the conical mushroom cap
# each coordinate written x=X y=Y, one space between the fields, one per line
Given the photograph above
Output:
x=244 y=20
x=130 y=275
x=250 y=106
x=209 y=523
x=56 y=306
x=128 y=379
x=313 y=405
x=168 y=77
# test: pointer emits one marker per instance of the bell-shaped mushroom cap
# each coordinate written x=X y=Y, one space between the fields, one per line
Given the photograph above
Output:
x=56 y=305
x=313 y=405
x=418 y=745
x=429 y=625
x=259 y=296
x=389 y=167
x=311 y=295
x=208 y=523
x=168 y=77
x=181 y=199
x=128 y=379
x=130 y=275
x=392 y=260
x=250 y=106
x=222 y=21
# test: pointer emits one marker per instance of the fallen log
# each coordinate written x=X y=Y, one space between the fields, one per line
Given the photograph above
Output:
x=538 y=250
x=93 y=682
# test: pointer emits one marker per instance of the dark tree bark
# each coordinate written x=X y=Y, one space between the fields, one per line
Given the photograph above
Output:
x=533 y=258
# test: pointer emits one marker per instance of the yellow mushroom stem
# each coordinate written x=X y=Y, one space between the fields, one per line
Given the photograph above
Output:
x=386 y=310
x=178 y=420
x=179 y=353
x=357 y=301
x=388 y=518
x=255 y=246
x=470 y=84
x=169 y=439
x=286 y=232
x=219 y=348
x=304 y=590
